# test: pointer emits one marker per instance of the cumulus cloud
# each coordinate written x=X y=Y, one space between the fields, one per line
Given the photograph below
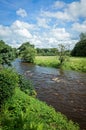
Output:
x=79 y=27
x=71 y=12
x=59 y=4
x=42 y=22
x=16 y=33
x=20 y=32
x=21 y=12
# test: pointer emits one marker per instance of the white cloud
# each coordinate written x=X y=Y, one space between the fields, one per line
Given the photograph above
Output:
x=20 y=32
x=77 y=9
x=58 y=15
x=21 y=12
x=58 y=4
x=42 y=22
x=71 y=12
x=16 y=33
x=79 y=27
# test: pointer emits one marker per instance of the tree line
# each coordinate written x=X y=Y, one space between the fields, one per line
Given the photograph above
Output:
x=27 y=51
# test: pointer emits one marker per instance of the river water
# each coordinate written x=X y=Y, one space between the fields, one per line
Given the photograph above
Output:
x=64 y=90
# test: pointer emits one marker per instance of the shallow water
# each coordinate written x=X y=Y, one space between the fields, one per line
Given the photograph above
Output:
x=64 y=90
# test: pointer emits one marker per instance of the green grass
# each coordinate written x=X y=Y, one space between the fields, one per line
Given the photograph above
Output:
x=72 y=63
x=50 y=61
x=23 y=112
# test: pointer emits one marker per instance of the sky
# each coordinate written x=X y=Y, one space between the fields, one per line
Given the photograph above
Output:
x=44 y=23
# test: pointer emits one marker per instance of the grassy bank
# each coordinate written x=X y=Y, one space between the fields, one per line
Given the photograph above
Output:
x=72 y=63
x=23 y=112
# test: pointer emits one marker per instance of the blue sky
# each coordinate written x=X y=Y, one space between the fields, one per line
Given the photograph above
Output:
x=44 y=23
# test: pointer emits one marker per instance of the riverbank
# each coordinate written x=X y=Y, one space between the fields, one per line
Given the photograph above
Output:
x=72 y=63
x=23 y=112
x=64 y=90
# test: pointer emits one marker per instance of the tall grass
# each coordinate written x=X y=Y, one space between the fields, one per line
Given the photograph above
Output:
x=71 y=63
x=23 y=112
x=50 y=61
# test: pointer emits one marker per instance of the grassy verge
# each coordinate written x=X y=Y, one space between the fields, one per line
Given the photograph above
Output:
x=72 y=63
x=23 y=112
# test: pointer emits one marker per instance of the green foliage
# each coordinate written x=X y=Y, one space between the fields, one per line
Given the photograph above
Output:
x=47 y=51
x=62 y=54
x=27 y=52
x=28 y=55
x=7 y=54
x=80 y=48
x=71 y=63
x=49 y=61
x=22 y=112
x=8 y=82
x=74 y=63
x=26 y=86
x=24 y=46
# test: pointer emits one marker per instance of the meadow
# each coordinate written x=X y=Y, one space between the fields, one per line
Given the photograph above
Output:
x=71 y=63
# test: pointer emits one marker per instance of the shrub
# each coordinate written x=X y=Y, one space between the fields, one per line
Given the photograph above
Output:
x=26 y=86
x=8 y=82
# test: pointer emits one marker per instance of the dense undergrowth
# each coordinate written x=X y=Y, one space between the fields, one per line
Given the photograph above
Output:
x=71 y=63
x=22 y=111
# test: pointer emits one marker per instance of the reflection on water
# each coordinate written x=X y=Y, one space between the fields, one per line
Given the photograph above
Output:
x=64 y=90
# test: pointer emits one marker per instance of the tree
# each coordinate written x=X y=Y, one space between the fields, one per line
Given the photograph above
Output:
x=7 y=54
x=80 y=47
x=62 y=54
x=27 y=52
x=82 y=36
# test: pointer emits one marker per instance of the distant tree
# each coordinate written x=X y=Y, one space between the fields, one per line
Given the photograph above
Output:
x=62 y=54
x=47 y=51
x=80 y=47
x=27 y=52
x=7 y=54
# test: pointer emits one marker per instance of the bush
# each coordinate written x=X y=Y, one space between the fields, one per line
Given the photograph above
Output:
x=8 y=82
x=26 y=86
x=28 y=55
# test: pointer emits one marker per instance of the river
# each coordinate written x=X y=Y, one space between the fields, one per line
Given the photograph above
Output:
x=64 y=90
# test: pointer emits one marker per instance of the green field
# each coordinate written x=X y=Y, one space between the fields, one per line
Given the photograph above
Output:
x=71 y=63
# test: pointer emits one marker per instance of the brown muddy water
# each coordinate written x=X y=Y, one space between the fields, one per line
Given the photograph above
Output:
x=64 y=90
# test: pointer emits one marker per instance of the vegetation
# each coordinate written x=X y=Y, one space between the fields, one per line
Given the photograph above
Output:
x=22 y=112
x=27 y=52
x=72 y=63
x=80 y=47
x=7 y=54
x=62 y=54
x=49 y=61
x=8 y=82
x=47 y=51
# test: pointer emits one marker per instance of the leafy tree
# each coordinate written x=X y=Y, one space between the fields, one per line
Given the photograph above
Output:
x=28 y=55
x=80 y=47
x=7 y=54
x=47 y=51
x=24 y=46
x=62 y=54
x=27 y=52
